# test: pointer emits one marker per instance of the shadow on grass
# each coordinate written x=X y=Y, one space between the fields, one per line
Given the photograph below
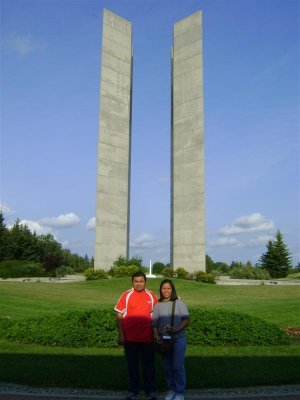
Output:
x=110 y=372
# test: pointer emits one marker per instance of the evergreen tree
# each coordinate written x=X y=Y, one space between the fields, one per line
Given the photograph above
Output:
x=277 y=259
x=24 y=244
x=5 y=247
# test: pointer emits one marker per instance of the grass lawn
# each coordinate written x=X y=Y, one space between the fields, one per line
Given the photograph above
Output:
x=277 y=304
x=105 y=368
x=206 y=367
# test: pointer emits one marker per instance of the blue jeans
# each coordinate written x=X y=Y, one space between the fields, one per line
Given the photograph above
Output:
x=174 y=368
x=135 y=353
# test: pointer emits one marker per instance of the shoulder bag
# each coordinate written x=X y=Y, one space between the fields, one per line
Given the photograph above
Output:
x=167 y=344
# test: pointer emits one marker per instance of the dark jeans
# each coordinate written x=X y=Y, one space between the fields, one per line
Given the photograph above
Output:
x=174 y=366
x=135 y=353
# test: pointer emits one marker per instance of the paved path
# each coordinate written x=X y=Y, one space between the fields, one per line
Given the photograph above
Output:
x=28 y=397
x=17 y=392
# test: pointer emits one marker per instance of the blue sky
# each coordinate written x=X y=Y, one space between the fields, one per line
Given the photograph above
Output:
x=50 y=77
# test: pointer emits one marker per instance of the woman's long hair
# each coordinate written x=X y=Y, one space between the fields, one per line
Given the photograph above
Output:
x=173 y=294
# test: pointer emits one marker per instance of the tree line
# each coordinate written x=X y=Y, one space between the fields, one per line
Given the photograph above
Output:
x=276 y=262
x=20 y=244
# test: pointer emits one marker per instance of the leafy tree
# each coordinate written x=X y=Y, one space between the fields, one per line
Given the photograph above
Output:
x=236 y=264
x=52 y=261
x=121 y=261
x=277 y=259
x=47 y=245
x=136 y=260
x=158 y=267
x=221 y=267
x=75 y=261
x=168 y=272
x=210 y=265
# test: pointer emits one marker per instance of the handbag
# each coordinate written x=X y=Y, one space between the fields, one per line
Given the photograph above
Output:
x=167 y=344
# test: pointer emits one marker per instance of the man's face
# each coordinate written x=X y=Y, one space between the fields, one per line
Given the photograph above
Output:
x=138 y=283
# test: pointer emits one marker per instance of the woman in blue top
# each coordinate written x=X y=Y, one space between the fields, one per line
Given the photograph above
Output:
x=173 y=363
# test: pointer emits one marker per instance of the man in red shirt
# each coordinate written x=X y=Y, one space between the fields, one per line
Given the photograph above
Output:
x=134 y=313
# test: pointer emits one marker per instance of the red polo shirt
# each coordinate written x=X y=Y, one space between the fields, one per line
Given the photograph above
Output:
x=137 y=308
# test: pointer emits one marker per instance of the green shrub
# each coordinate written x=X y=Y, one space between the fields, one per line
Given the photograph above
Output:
x=218 y=327
x=181 y=273
x=122 y=261
x=98 y=328
x=95 y=328
x=92 y=274
x=123 y=271
x=168 y=272
x=20 y=268
x=204 y=277
x=5 y=325
x=249 y=273
x=63 y=271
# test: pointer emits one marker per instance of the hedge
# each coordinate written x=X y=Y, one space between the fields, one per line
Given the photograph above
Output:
x=20 y=269
x=97 y=328
x=219 y=327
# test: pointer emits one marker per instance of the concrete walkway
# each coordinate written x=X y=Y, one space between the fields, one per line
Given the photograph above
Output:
x=18 y=392
x=221 y=280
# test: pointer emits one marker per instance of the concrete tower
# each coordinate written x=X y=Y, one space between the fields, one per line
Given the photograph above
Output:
x=113 y=178
x=187 y=147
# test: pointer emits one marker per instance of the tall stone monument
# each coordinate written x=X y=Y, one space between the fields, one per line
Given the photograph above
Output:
x=113 y=178
x=187 y=147
x=187 y=144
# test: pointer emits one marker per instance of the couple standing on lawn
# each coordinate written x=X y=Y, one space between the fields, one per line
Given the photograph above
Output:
x=143 y=319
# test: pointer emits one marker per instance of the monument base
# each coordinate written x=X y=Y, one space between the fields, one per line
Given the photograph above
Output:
x=150 y=276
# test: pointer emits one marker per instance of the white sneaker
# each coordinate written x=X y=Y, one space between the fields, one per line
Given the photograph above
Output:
x=178 y=397
x=170 y=395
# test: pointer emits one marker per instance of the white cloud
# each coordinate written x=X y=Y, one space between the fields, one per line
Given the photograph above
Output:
x=21 y=44
x=91 y=224
x=260 y=240
x=250 y=223
x=35 y=226
x=225 y=242
x=144 y=241
x=5 y=209
x=62 y=221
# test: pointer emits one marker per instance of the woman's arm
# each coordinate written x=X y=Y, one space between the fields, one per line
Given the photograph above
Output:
x=172 y=331
x=120 y=329
x=184 y=323
x=157 y=339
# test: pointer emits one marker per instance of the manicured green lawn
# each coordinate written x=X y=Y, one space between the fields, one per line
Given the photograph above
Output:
x=105 y=368
x=276 y=304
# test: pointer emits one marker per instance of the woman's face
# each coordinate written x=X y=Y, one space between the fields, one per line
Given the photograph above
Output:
x=166 y=291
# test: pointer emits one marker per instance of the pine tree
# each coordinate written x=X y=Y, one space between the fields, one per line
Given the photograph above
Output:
x=277 y=259
x=24 y=243
x=5 y=247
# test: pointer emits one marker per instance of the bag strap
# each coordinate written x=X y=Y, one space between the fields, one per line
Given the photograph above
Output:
x=173 y=312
